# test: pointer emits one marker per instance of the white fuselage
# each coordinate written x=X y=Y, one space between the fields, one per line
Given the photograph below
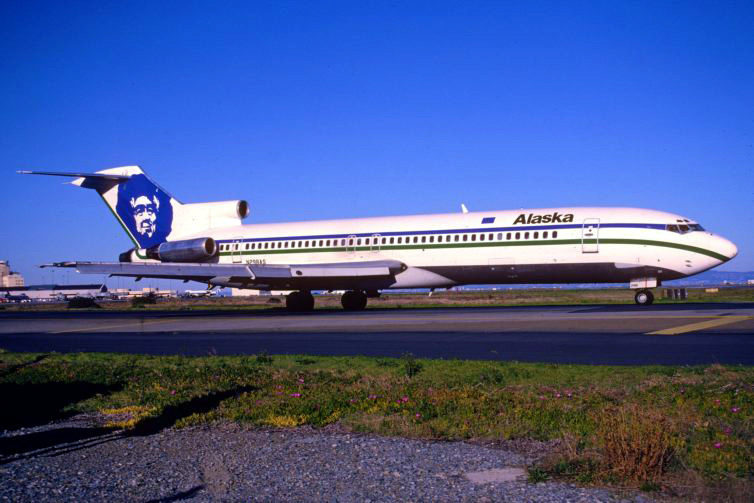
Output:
x=551 y=245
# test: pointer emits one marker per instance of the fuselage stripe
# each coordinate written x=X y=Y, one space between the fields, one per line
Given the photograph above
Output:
x=442 y=231
x=421 y=246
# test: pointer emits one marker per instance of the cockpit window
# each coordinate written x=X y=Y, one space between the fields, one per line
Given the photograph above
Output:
x=683 y=228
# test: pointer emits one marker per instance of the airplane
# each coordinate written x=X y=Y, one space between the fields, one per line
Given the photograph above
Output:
x=208 y=243
x=199 y=293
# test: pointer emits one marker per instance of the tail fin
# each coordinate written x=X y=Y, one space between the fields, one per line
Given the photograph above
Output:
x=142 y=207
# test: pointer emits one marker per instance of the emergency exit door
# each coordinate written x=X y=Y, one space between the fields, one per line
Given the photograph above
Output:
x=590 y=235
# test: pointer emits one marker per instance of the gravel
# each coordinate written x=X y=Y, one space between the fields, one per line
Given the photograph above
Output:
x=75 y=460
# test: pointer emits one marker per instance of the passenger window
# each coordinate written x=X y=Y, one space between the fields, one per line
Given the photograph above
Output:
x=456 y=238
x=358 y=241
x=526 y=235
x=307 y=244
x=499 y=236
x=342 y=242
x=518 y=235
x=554 y=234
x=321 y=243
x=366 y=241
x=473 y=237
x=424 y=239
x=431 y=239
x=490 y=236
x=536 y=235
x=508 y=236
x=384 y=240
x=392 y=240
x=544 y=235
x=416 y=239
x=481 y=237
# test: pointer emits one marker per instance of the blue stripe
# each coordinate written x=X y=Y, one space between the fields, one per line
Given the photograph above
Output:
x=445 y=231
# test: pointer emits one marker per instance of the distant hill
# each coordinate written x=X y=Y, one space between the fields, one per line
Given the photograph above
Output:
x=713 y=278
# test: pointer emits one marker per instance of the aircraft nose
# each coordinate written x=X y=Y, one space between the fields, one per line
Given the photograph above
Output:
x=725 y=247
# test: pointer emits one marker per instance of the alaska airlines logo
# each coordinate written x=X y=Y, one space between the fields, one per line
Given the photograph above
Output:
x=531 y=218
x=145 y=210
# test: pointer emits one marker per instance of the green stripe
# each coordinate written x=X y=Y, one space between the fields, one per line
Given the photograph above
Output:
x=420 y=246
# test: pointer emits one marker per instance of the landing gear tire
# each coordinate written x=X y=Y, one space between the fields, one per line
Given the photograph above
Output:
x=299 y=301
x=354 y=300
x=644 y=297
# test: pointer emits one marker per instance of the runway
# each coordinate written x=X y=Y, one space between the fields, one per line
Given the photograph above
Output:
x=679 y=334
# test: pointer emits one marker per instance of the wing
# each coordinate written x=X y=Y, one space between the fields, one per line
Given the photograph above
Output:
x=372 y=274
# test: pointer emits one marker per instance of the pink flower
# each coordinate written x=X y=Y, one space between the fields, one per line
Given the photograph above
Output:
x=418 y=415
x=404 y=399
x=352 y=400
x=541 y=397
x=295 y=395
x=717 y=402
x=734 y=409
x=172 y=392
x=557 y=395
x=372 y=397
x=718 y=445
x=301 y=381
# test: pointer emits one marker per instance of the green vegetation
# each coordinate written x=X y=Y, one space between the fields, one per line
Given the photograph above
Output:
x=460 y=298
x=648 y=427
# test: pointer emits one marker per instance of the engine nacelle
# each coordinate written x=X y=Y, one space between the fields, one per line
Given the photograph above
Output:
x=215 y=215
x=187 y=250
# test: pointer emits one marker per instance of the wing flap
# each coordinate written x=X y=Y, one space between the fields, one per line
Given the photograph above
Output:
x=238 y=272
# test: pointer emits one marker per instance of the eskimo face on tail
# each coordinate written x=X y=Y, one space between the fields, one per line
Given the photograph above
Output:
x=145 y=210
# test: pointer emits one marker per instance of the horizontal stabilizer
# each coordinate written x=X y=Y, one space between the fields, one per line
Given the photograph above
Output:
x=100 y=176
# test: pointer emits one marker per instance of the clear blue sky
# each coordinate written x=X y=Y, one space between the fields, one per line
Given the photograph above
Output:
x=342 y=109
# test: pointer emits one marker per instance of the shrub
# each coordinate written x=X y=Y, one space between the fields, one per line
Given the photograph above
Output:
x=264 y=358
x=636 y=443
x=142 y=301
x=410 y=366
x=82 y=303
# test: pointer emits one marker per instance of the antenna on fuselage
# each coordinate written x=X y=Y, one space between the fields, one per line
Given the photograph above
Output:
x=464 y=209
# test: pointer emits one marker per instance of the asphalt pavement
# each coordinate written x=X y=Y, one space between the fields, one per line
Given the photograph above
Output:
x=678 y=334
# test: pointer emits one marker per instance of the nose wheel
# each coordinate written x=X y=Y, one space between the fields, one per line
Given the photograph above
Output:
x=354 y=300
x=299 y=301
x=644 y=297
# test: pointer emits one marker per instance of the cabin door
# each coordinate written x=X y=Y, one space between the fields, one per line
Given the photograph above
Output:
x=374 y=243
x=351 y=244
x=590 y=235
x=235 y=251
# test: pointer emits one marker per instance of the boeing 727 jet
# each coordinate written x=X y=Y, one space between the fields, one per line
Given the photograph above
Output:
x=207 y=242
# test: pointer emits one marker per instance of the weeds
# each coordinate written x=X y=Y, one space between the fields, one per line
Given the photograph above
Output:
x=640 y=426
x=411 y=367
x=263 y=358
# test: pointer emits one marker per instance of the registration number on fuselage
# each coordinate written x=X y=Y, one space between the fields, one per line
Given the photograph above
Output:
x=256 y=261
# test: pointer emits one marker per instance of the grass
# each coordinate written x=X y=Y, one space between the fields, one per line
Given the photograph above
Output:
x=651 y=427
x=528 y=297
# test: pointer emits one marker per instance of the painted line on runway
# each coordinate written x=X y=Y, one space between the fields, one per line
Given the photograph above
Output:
x=694 y=327
x=138 y=324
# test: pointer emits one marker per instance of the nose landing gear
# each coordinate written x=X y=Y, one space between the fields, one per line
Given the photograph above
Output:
x=299 y=301
x=644 y=297
x=354 y=300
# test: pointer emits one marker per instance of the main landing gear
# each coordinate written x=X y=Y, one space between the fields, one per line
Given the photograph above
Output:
x=354 y=300
x=299 y=301
x=644 y=297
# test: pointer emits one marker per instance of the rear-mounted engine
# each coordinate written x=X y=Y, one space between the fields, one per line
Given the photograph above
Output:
x=188 y=250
